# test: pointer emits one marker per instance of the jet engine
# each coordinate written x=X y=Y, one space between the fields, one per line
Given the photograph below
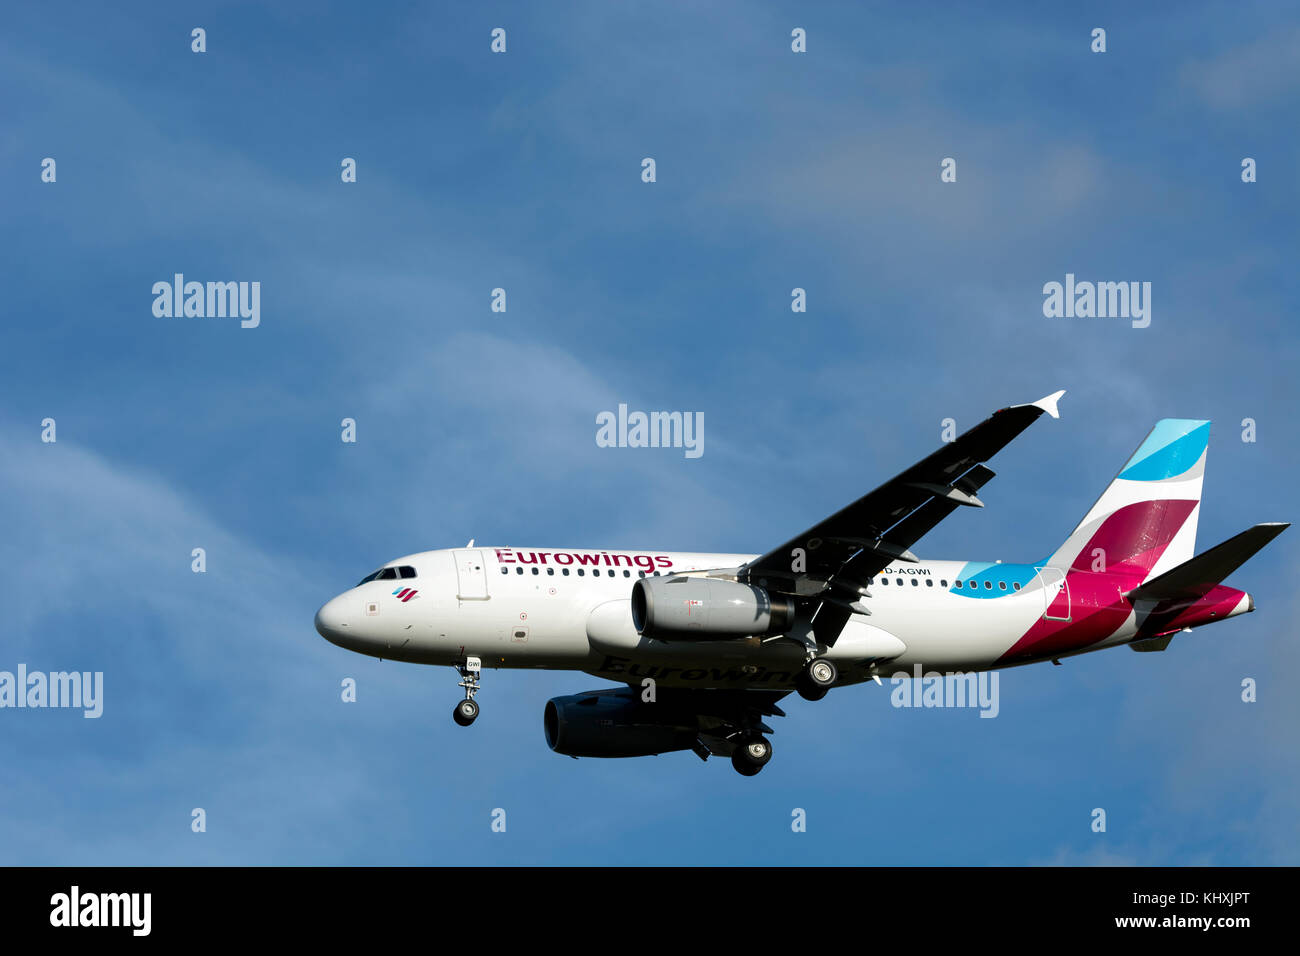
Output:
x=615 y=724
x=702 y=609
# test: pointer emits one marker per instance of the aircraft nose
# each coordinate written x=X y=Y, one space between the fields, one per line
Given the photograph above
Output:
x=331 y=622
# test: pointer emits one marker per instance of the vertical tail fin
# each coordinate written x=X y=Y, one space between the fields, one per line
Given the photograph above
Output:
x=1145 y=521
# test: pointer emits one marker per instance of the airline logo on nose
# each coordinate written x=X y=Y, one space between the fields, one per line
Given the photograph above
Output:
x=405 y=594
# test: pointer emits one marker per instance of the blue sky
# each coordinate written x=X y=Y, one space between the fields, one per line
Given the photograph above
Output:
x=522 y=171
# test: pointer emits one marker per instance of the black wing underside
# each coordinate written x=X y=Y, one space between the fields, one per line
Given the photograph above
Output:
x=825 y=569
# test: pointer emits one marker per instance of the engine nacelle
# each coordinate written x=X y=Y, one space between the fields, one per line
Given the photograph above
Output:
x=701 y=609
x=615 y=724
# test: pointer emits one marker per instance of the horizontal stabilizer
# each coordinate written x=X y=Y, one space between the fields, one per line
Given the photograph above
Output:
x=1191 y=579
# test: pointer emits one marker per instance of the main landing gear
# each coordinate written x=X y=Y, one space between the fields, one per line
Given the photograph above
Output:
x=816 y=679
x=467 y=710
x=751 y=755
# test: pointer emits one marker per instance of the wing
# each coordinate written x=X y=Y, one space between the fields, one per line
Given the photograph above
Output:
x=826 y=568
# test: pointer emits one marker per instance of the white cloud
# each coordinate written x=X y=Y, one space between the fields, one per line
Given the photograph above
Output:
x=208 y=677
x=1250 y=75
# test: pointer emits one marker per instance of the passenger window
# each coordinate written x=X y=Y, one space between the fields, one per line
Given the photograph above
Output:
x=550 y=571
x=916 y=583
x=988 y=585
x=957 y=585
x=640 y=574
x=884 y=580
x=929 y=582
x=535 y=571
x=519 y=570
x=1002 y=585
x=627 y=573
x=900 y=581
x=943 y=583
x=581 y=573
x=504 y=569
x=564 y=571
x=1016 y=586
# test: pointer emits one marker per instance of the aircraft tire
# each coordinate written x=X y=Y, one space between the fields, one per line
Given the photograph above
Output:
x=751 y=755
x=465 y=713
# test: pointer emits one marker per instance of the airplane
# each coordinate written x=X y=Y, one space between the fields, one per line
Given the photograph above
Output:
x=703 y=647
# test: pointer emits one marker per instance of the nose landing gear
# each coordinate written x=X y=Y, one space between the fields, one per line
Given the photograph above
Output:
x=466 y=711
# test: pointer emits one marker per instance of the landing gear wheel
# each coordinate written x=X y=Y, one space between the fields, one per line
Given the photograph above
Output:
x=757 y=750
x=751 y=755
x=465 y=713
x=816 y=679
x=467 y=709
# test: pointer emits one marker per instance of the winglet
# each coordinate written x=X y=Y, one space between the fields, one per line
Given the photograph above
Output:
x=1047 y=404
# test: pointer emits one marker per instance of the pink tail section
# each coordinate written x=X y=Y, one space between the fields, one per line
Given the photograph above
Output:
x=1145 y=521
x=1130 y=542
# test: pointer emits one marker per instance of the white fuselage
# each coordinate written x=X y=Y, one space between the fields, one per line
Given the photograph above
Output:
x=570 y=609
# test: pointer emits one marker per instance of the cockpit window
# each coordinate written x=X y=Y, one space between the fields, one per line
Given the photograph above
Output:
x=388 y=574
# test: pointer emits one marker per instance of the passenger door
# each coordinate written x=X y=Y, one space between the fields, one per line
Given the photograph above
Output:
x=471 y=576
